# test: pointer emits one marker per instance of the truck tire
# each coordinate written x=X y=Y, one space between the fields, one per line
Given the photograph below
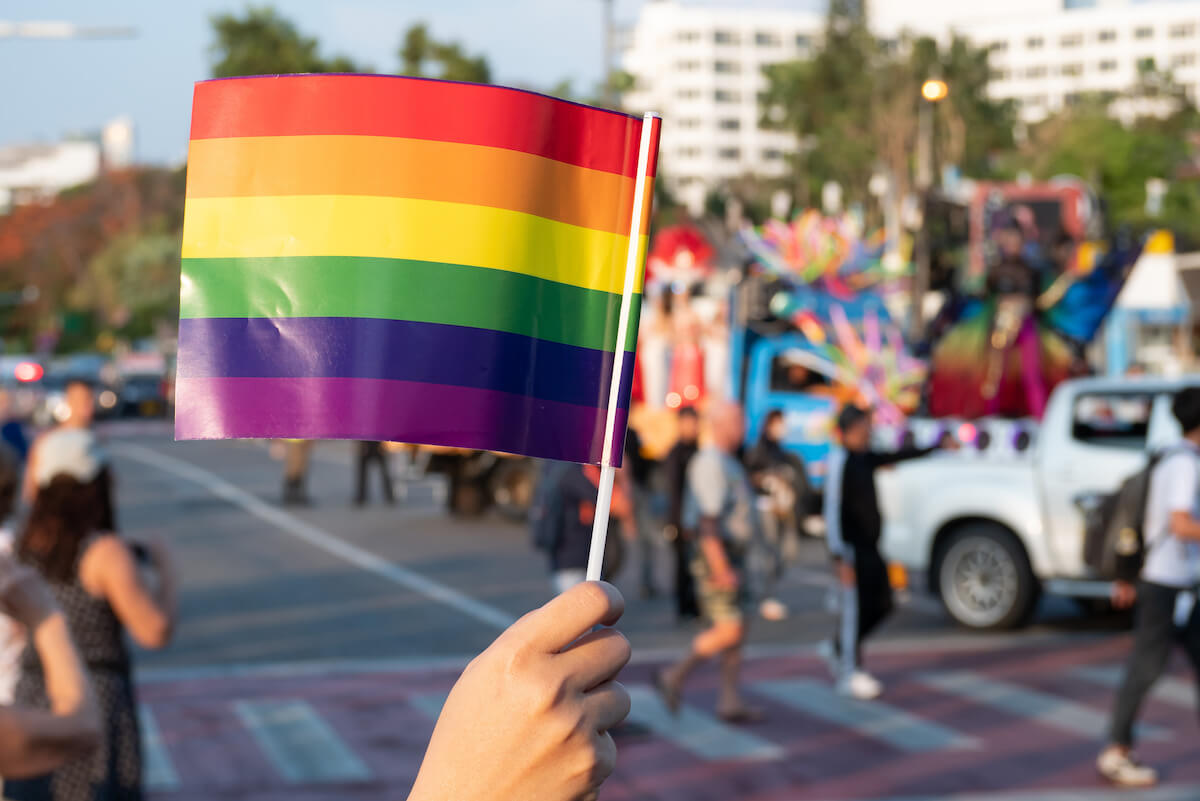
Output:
x=984 y=578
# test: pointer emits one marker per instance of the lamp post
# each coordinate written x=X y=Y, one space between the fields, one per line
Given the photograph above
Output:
x=933 y=91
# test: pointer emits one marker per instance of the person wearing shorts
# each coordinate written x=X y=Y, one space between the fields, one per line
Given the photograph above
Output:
x=721 y=512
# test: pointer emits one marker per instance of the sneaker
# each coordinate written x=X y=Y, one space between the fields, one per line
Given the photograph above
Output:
x=860 y=685
x=1120 y=768
x=773 y=610
x=827 y=650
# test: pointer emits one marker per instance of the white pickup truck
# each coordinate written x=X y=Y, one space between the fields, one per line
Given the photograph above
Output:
x=994 y=525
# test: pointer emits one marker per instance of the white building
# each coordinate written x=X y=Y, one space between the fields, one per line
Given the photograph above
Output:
x=702 y=67
x=32 y=173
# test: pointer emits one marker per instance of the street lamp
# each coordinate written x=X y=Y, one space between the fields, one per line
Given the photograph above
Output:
x=933 y=91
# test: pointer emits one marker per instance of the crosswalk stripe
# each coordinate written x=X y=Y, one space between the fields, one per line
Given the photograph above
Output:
x=873 y=719
x=696 y=731
x=1048 y=710
x=1168 y=689
x=158 y=772
x=298 y=742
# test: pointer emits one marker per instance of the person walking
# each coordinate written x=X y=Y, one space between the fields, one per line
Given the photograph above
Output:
x=854 y=526
x=720 y=510
x=80 y=400
x=675 y=467
x=295 y=472
x=95 y=579
x=372 y=452
x=1164 y=598
x=636 y=470
x=782 y=481
x=562 y=521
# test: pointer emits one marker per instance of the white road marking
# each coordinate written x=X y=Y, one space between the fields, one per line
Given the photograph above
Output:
x=1049 y=710
x=698 y=732
x=158 y=772
x=299 y=743
x=871 y=719
x=302 y=530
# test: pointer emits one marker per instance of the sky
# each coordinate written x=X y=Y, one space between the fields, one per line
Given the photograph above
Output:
x=50 y=88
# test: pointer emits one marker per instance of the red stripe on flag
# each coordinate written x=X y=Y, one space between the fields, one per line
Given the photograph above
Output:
x=388 y=105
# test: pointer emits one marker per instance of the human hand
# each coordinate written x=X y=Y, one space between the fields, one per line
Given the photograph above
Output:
x=724 y=578
x=1124 y=594
x=23 y=595
x=845 y=574
x=529 y=717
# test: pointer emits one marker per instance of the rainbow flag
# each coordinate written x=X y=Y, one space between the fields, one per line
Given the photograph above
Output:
x=385 y=258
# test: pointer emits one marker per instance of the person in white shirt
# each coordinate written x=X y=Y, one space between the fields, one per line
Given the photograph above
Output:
x=12 y=636
x=1166 y=612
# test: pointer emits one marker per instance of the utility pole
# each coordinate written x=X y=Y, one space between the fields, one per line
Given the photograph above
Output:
x=610 y=90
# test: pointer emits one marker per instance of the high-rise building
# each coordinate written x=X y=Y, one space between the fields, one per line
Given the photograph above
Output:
x=702 y=66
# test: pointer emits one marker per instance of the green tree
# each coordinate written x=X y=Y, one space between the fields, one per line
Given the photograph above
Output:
x=261 y=42
x=423 y=56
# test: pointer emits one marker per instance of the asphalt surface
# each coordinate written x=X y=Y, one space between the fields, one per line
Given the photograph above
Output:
x=316 y=644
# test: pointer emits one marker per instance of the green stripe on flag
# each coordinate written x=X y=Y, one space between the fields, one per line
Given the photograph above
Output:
x=401 y=289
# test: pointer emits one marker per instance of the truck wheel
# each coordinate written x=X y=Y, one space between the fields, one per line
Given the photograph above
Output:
x=512 y=487
x=984 y=578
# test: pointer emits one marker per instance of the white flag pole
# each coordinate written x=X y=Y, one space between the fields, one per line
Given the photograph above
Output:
x=607 y=473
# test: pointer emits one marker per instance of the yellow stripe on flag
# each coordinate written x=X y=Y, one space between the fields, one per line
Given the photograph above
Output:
x=405 y=228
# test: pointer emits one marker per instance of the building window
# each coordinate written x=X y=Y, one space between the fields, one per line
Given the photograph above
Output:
x=763 y=39
x=1183 y=59
x=1071 y=70
x=1038 y=71
x=1183 y=30
x=1034 y=43
x=1071 y=40
x=999 y=46
x=689 y=152
x=726 y=96
x=1143 y=33
x=726 y=67
x=729 y=154
x=687 y=122
x=1108 y=65
x=688 y=94
x=1035 y=101
x=730 y=125
x=803 y=41
x=1072 y=98
x=1146 y=64
x=771 y=154
x=687 y=66
x=725 y=37
x=999 y=75
x=688 y=36
x=1107 y=36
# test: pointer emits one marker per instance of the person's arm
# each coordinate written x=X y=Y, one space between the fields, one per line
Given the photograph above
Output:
x=1181 y=476
x=148 y=616
x=530 y=717
x=35 y=741
x=29 y=482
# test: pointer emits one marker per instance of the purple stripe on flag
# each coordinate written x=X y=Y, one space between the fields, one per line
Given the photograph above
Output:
x=399 y=350
x=396 y=411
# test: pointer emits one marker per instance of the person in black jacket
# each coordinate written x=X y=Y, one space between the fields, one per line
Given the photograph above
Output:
x=853 y=527
x=676 y=466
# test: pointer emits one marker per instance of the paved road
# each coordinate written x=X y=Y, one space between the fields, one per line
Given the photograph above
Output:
x=316 y=646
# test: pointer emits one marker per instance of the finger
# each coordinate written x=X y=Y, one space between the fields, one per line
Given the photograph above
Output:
x=606 y=760
x=607 y=705
x=568 y=617
x=594 y=658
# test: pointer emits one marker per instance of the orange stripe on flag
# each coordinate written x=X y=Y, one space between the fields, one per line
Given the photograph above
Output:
x=420 y=169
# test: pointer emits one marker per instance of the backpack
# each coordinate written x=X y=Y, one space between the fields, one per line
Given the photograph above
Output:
x=546 y=511
x=1114 y=542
